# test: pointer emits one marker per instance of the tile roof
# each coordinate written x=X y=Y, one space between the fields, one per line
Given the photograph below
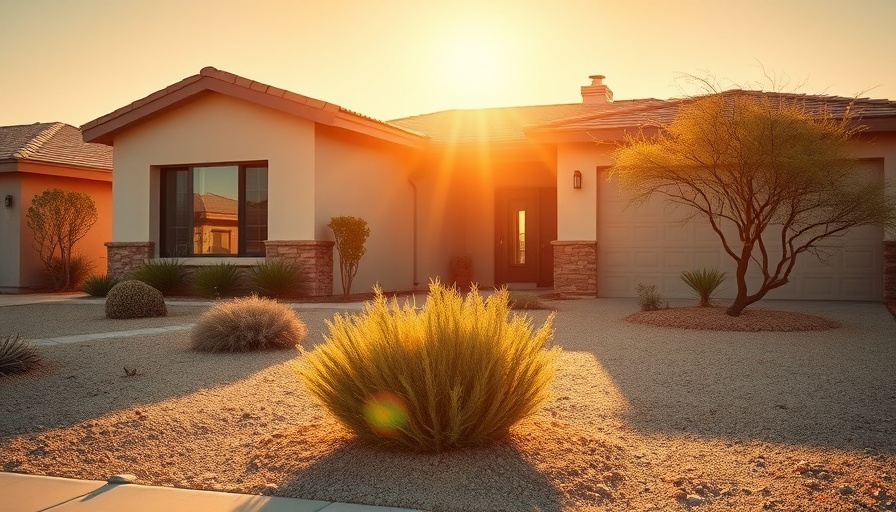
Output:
x=503 y=125
x=866 y=111
x=214 y=203
x=103 y=128
x=55 y=143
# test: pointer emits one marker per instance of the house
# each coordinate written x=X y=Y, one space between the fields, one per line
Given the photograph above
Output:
x=522 y=191
x=37 y=157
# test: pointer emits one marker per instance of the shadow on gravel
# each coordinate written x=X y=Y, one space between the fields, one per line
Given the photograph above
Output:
x=831 y=389
x=494 y=478
x=86 y=380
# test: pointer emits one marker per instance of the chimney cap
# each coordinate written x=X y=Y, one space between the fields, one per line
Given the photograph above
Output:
x=597 y=79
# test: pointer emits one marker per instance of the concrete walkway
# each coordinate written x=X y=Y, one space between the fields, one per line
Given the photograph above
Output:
x=29 y=493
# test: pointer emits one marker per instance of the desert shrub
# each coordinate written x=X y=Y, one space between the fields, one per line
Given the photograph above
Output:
x=520 y=300
x=247 y=323
x=703 y=283
x=79 y=267
x=275 y=278
x=649 y=299
x=134 y=299
x=98 y=285
x=17 y=356
x=350 y=234
x=458 y=372
x=220 y=279
x=165 y=275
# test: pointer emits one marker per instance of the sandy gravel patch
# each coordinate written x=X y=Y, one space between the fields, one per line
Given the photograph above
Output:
x=640 y=418
x=713 y=318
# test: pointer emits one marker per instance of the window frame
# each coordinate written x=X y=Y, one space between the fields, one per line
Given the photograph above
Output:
x=241 y=206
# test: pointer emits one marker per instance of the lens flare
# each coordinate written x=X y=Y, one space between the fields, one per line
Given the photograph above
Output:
x=385 y=413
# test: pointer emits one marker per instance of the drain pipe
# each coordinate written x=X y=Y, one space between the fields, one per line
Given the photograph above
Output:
x=414 y=252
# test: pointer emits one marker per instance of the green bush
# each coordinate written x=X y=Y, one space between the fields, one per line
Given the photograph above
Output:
x=703 y=283
x=134 y=299
x=99 y=285
x=247 y=323
x=350 y=234
x=459 y=372
x=275 y=279
x=165 y=275
x=17 y=356
x=218 y=280
x=649 y=299
x=79 y=268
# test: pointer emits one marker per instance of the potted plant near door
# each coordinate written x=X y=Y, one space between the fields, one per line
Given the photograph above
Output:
x=461 y=272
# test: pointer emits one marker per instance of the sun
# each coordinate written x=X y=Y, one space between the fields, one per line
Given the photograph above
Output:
x=472 y=66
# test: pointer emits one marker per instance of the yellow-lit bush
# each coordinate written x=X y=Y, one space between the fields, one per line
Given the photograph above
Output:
x=459 y=372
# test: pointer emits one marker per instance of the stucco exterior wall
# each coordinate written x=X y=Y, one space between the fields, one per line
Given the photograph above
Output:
x=91 y=246
x=456 y=210
x=577 y=209
x=361 y=177
x=10 y=229
x=20 y=266
x=216 y=129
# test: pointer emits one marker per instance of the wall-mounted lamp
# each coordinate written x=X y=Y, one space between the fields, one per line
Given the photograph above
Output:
x=7 y=201
x=577 y=180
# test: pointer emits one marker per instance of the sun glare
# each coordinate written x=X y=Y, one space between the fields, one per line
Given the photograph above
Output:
x=472 y=67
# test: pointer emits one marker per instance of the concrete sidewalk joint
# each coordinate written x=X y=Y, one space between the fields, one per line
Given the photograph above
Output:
x=76 y=338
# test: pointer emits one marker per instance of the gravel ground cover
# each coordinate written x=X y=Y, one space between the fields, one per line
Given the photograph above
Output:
x=642 y=417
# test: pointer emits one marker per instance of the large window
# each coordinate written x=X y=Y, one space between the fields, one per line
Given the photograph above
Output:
x=214 y=210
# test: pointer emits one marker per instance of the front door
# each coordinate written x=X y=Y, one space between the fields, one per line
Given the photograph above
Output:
x=525 y=225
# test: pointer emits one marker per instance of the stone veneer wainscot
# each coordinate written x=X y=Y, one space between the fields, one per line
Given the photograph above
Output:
x=123 y=258
x=575 y=267
x=314 y=259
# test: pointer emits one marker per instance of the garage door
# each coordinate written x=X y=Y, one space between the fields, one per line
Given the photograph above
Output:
x=652 y=243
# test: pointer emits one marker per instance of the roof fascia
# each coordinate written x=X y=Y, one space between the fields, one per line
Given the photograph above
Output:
x=362 y=125
x=103 y=131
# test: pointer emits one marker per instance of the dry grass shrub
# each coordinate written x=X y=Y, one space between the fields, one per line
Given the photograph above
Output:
x=17 y=356
x=134 y=299
x=460 y=372
x=245 y=324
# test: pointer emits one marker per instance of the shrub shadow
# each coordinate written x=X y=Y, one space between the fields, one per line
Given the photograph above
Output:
x=831 y=389
x=88 y=379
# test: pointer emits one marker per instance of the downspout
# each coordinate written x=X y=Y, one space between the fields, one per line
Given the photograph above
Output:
x=414 y=244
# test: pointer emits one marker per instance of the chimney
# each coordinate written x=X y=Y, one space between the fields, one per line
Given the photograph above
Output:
x=597 y=93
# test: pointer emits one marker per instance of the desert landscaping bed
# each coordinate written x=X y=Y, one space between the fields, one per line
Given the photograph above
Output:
x=641 y=417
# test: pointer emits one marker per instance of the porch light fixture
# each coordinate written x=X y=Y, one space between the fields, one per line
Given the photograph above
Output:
x=7 y=201
x=577 y=180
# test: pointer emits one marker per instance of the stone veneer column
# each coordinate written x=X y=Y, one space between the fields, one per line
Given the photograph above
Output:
x=890 y=270
x=575 y=267
x=125 y=257
x=314 y=259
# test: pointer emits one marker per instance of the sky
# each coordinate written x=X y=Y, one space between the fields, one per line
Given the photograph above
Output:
x=76 y=60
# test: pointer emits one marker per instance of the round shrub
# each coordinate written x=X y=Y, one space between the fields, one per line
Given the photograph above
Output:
x=247 y=323
x=460 y=372
x=134 y=299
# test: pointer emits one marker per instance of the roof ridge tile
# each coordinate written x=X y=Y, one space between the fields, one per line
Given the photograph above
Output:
x=35 y=143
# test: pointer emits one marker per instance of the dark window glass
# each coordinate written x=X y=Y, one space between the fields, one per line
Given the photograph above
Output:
x=214 y=210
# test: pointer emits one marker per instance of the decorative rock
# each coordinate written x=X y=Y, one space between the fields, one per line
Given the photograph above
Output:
x=693 y=500
x=123 y=478
x=846 y=490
